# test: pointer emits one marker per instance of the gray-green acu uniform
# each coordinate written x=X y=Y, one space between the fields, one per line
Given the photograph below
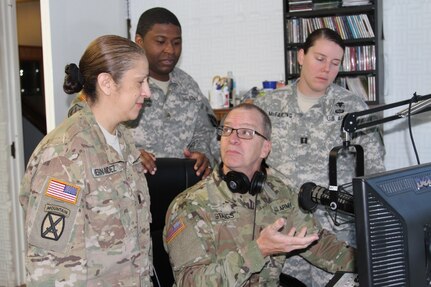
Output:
x=210 y=241
x=301 y=143
x=180 y=119
x=86 y=209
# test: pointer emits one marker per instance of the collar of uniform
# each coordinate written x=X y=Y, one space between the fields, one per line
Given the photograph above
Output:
x=323 y=106
x=219 y=192
x=124 y=137
x=127 y=143
x=176 y=78
x=334 y=94
x=173 y=79
x=291 y=100
x=273 y=185
x=157 y=93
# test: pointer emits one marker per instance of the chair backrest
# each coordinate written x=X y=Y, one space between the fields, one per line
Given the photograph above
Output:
x=173 y=176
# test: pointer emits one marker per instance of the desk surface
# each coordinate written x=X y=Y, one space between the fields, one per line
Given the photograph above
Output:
x=220 y=113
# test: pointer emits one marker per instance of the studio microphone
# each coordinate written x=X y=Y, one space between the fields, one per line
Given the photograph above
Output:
x=310 y=195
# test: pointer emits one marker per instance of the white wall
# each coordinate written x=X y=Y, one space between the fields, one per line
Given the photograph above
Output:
x=67 y=29
x=407 y=70
x=246 y=37
x=242 y=36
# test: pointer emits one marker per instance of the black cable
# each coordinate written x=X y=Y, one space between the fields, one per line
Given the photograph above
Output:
x=128 y=21
x=254 y=228
x=410 y=129
x=254 y=217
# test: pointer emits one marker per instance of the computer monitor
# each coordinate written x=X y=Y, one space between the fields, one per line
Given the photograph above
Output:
x=393 y=227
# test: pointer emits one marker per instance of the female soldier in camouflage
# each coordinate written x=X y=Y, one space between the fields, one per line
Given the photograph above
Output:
x=84 y=190
x=306 y=118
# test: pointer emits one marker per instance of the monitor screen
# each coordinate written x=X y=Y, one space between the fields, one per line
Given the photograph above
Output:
x=393 y=227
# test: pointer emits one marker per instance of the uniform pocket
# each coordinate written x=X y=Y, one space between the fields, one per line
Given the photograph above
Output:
x=104 y=212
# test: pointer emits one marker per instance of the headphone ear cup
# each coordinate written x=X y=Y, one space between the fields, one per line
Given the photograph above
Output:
x=257 y=182
x=237 y=182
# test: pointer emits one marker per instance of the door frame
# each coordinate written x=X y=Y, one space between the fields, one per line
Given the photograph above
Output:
x=10 y=93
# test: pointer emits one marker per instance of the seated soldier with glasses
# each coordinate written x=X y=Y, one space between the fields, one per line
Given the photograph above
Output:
x=237 y=226
x=242 y=133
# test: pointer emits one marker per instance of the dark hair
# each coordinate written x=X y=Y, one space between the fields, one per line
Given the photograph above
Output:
x=323 y=33
x=106 y=54
x=157 y=15
x=267 y=126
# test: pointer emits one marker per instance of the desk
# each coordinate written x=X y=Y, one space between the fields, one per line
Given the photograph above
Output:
x=220 y=113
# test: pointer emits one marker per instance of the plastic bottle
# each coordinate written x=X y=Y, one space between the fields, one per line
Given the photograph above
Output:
x=281 y=83
x=226 y=93
x=232 y=89
x=217 y=98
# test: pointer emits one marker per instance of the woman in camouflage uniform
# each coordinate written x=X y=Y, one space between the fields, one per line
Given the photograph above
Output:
x=84 y=191
x=307 y=117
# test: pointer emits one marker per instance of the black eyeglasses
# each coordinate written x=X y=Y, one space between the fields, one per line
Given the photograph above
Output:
x=242 y=133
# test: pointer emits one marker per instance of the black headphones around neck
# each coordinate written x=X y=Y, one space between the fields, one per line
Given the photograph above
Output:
x=238 y=182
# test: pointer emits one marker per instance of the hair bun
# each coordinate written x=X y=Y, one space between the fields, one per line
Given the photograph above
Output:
x=75 y=74
x=73 y=81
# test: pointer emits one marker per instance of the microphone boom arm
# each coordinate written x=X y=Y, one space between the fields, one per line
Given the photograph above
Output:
x=310 y=195
x=350 y=120
x=350 y=125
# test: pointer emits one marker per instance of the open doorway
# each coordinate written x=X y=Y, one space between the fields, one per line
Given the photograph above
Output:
x=31 y=73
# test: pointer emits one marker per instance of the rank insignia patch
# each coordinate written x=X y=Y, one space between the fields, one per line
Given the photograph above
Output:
x=62 y=191
x=52 y=226
x=175 y=229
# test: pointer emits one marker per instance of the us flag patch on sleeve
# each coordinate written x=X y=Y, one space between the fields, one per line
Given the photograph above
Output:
x=62 y=191
x=175 y=229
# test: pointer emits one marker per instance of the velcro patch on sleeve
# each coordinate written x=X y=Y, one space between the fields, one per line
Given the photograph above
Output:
x=176 y=228
x=62 y=191
x=184 y=245
x=53 y=225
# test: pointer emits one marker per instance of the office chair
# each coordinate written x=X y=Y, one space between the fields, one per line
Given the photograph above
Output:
x=173 y=176
x=289 y=281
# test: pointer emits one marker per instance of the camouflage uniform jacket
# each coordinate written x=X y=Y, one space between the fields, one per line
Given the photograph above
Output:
x=87 y=209
x=181 y=119
x=208 y=235
x=301 y=142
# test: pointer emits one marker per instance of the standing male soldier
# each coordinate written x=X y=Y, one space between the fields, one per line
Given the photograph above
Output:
x=177 y=121
x=238 y=225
